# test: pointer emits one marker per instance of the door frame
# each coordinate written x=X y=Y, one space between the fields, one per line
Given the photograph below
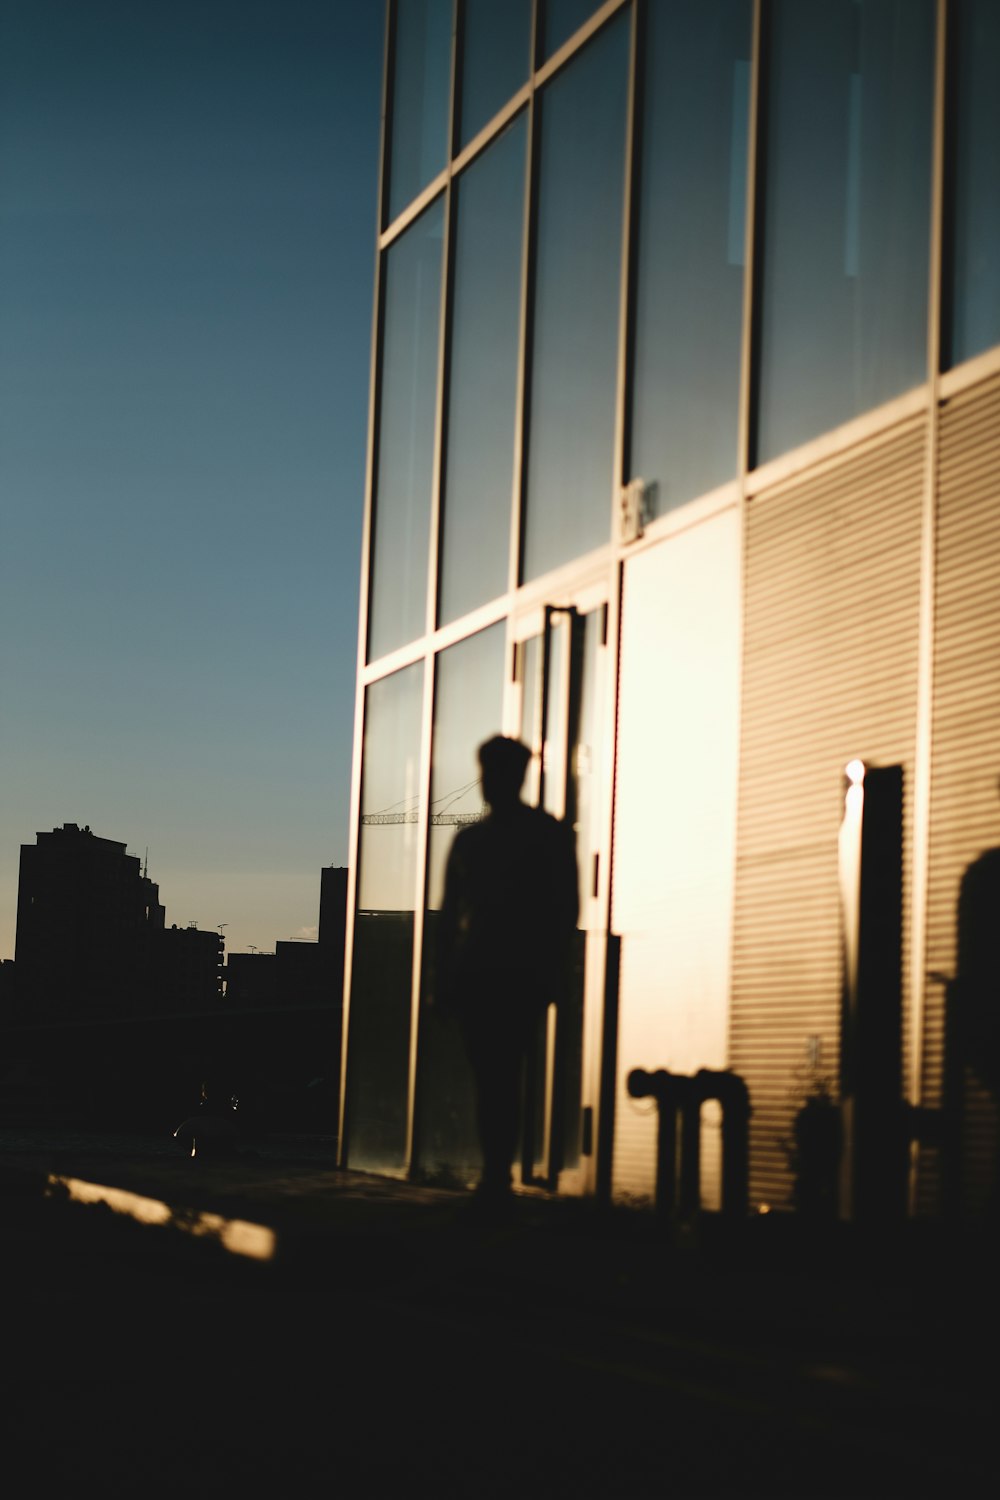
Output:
x=539 y=621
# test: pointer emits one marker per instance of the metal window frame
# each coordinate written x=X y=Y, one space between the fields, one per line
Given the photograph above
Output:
x=603 y=569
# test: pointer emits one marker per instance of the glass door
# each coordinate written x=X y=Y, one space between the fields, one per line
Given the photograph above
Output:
x=560 y=667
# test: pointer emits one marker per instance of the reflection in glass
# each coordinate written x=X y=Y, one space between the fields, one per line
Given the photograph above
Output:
x=404 y=476
x=846 y=213
x=972 y=293
x=488 y=214
x=421 y=87
x=561 y=18
x=571 y=754
x=690 y=247
x=468 y=709
x=381 y=982
x=496 y=58
x=575 y=334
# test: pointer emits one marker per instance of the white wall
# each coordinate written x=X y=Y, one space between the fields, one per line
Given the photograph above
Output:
x=675 y=823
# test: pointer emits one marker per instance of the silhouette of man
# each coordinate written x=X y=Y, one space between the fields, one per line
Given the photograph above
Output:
x=505 y=934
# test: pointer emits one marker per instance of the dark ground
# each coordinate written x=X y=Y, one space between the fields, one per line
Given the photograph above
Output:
x=394 y=1344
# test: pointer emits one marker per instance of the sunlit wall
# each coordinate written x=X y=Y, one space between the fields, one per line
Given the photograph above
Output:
x=717 y=248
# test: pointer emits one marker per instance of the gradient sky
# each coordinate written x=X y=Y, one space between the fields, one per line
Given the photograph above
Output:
x=187 y=217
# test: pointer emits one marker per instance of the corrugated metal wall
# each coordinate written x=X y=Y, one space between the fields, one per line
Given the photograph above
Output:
x=830 y=672
x=965 y=765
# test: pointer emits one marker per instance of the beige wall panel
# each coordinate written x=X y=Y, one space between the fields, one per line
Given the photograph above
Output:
x=965 y=771
x=674 y=825
x=829 y=672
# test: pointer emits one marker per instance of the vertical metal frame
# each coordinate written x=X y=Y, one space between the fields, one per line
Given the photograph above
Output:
x=754 y=236
x=915 y=981
x=430 y=660
x=374 y=391
x=522 y=399
x=751 y=260
x=600 y=1050
x=628 y=279
x=746 y=417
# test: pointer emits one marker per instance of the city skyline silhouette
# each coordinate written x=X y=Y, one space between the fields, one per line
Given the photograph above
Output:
x=188 y=198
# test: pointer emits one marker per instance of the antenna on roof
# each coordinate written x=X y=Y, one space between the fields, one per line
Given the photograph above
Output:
x=145 y=865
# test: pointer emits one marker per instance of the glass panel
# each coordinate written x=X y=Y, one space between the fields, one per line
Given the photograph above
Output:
x=496 y=59
x=973 y=292
x=583 y=736
x=575 y=335
x=690 y=248
x=468 y=709
x=571 y=755
x=488 y=219
x=406 y=434
x=846 y=213
x=561 y=19
x=420 y=98
x=581 y=795
x=379 y=1049
x=555 y=719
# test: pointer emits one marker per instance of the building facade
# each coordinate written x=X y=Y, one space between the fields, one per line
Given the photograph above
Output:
x=87 y=916
x=684 y=429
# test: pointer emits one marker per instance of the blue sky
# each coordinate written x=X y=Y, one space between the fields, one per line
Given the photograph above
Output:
x=187 y=219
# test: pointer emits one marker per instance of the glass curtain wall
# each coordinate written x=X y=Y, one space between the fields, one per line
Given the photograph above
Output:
x=574 y=345
x=690 y=252
x=468 y=709
x=846 y=212
x=488 y=231
x=972 y=287
x=421 y=86
x=381 y=977
x=841 y=253
x=405 y=470
x=560 y=18
x=496 y=59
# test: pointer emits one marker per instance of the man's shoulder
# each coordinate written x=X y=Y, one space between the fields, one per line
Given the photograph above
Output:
x=469 y=839
x=548 y=825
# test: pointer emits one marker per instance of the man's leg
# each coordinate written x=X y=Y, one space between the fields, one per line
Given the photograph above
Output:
x=496 y=1065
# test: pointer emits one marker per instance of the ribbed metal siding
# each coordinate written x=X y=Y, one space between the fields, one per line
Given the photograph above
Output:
x=965 y=764
x=830 y=672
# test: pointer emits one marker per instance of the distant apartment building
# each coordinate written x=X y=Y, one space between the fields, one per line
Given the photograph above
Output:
x=91 y=940
x=185 y=967
x=684 y=468
x=85 y=912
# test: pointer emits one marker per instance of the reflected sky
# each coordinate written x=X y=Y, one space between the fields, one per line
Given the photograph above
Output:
x=575 y=333
x=488 y=209
x=973 y=294
x=560 y=18
x=496 y=59
x=846 y=213
x=401 y=526
x=420 y=91
x=691 y=247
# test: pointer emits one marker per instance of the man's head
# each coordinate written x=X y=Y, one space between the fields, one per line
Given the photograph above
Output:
x=503 y=762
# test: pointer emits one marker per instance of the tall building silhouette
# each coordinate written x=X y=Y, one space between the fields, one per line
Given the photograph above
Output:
x=85 y=911
x=92 y=940
x=683 y=469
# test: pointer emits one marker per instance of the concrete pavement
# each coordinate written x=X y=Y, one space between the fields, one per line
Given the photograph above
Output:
x=762 y=1360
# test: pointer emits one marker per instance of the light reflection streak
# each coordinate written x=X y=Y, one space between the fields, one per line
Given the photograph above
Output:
x=238 y=1236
